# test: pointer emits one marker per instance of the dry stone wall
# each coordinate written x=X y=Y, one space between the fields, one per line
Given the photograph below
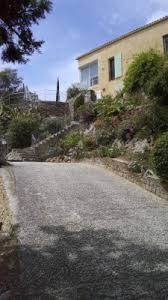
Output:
x=54 y=109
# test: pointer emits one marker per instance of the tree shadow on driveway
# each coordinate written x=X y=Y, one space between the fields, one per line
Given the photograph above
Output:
x=92 y=264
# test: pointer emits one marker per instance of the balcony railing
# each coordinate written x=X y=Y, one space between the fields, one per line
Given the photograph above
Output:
x=86 y=84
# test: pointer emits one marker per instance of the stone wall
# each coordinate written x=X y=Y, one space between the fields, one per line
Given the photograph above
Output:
x=149 y=182
x=54 y=109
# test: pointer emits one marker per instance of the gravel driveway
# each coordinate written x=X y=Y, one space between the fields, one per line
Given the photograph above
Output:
x=86 y=233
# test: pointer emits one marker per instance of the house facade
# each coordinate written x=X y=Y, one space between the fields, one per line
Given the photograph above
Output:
x=102 y=69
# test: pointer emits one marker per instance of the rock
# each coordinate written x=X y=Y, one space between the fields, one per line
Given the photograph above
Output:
x=67 y=159
x=90 y=130
x=141 y=146
x=149 y=173
x=55 y=151
x=14 y=155
x=118 y=143
x=138 y=146
x=73 y=152
x=135 y=167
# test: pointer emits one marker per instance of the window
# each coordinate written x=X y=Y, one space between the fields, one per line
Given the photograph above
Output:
x=165 y=43
x=93 y=74
x=89 y=75
x=111 y=68
x=115 y=67
x=85 y=77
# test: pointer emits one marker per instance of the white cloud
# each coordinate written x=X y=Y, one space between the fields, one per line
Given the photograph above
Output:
x=108 y=23
x=73 y=34
x=161 y=3
x=156 y=15
x=159 y=9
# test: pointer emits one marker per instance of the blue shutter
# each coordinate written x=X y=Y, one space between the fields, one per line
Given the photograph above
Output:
x=118 y=65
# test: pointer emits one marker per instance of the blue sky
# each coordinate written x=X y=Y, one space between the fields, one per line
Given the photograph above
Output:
x=76 y=26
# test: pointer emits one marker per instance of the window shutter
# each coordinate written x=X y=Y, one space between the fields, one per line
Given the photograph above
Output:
x=118 y=65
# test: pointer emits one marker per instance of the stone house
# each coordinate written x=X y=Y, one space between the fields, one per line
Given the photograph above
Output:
x=103 y=68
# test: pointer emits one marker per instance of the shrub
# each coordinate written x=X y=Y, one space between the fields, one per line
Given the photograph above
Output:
x=113 y=151
x=52 y=125
x=160 y=156
x=70 y=140
x=159 y=85
x=135 y=167
x=6 y=114
x=89 y=142
x=142 y=70
x=154 y=118
x=86 y=112
x=79 y=102
x=108 y=107
x=122 y=130
x=135 y=99
x=21 y=130
x=105 y=136
x=10 y=112
x=143 y=159
x=74 y=91
x=149 y=121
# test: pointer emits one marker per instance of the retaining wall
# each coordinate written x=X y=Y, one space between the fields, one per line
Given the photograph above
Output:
x=54 y=109
x=151 y=183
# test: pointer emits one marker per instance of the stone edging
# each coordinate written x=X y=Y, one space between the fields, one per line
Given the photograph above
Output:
x=120 y=167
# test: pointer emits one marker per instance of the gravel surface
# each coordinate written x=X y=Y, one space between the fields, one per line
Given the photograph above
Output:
x=8 y=247
x=5 y=214
x=86 y=233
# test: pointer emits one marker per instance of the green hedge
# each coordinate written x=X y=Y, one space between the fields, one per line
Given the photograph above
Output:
x=21 y=130
x=142 y=71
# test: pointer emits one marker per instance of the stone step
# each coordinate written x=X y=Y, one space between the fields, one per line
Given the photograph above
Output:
x=28 y=157
x=29 y=154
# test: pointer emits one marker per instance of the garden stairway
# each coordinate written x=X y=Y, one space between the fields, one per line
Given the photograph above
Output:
x=26 y=154
x=42 y=150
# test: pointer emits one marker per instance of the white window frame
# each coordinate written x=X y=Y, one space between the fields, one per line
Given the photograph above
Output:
x=92 y=80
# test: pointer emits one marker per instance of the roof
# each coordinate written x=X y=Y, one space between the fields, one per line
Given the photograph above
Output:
x=123 y=36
